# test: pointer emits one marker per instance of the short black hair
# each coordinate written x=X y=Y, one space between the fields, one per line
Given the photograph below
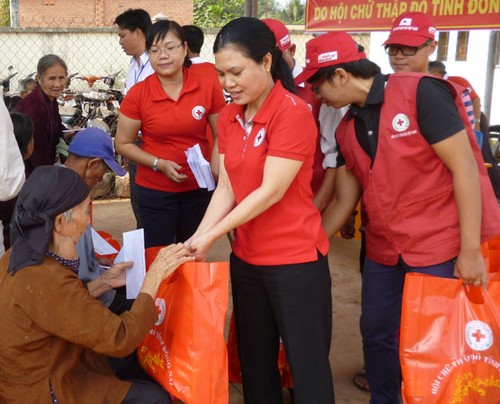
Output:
x=437 y=65
x=133 y=19
x=23 y=130
x=27 y=81
x=194 y=37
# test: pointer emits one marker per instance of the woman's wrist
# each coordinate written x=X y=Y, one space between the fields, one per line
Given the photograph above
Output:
x=155 y=164
x=151 y=284
x=99 y=286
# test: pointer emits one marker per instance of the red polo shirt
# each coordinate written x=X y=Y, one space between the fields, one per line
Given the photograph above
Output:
x=290 y=231
x=170 y=127
x=208 y=69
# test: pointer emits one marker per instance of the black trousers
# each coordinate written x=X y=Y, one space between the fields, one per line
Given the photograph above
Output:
x=294 y=302
x=171 y=217
x=143 y=392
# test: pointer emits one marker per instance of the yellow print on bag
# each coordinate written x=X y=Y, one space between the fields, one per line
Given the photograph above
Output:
x=150 y=360
x=467 y=384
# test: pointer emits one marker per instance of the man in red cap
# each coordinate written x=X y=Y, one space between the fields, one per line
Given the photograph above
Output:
x=409 y=46
x=425 y=189
x=411 y=42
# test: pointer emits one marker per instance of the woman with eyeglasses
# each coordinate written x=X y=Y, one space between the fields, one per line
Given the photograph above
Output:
x=171 y=109
x=279 y=267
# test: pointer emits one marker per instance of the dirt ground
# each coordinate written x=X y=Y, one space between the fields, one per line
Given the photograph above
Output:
x=116 y=216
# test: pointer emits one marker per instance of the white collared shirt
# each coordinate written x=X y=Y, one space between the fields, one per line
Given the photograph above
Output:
x=138 y=71
x=197 y=60
x=329 y=118
x=11 y=163
x=297 y=69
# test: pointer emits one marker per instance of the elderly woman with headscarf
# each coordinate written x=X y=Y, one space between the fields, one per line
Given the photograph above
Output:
x=55 y=337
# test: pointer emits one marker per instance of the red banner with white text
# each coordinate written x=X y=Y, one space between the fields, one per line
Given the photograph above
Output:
x=378 y=15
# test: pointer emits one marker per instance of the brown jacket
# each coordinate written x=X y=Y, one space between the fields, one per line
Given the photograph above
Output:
x=53 y=331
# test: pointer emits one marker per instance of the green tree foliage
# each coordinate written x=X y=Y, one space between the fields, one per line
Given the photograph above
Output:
x=4 y=13
x=269 y=9
x=217 y=13
x=293 y=12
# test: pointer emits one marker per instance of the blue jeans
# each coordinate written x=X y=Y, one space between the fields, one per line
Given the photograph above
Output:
x=381 y=298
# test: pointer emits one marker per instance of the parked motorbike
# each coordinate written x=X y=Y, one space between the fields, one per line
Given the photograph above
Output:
x=91 y=107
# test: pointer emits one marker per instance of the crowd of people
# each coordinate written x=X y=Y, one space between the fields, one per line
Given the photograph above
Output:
x=294 y=154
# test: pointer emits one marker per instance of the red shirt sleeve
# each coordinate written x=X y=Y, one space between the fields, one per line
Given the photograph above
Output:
x=130 y=106
x=218 y=101
x=294 y=133
x=464 y=83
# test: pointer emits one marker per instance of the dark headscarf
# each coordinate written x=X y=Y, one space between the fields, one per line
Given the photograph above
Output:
x=48 y=192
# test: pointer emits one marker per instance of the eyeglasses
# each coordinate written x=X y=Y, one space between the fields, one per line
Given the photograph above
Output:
x=392 y=50
x=156 y=51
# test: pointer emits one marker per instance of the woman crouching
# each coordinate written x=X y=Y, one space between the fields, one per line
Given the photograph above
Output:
x=55 y=337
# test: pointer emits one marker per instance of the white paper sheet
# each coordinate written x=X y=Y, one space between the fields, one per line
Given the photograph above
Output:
x=133 y=250
x=200 y=167
x=101 y=246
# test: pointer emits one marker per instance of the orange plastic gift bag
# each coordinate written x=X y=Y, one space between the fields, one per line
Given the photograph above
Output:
x=234 y=361
x=450 y=341
x=185 y=351
x=491 y=254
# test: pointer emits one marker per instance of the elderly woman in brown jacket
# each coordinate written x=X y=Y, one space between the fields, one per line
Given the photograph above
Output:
x=55 y=337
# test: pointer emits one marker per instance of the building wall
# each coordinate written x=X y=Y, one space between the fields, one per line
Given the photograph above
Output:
x=95 y=13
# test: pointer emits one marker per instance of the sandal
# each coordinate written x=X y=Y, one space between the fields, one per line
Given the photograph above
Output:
x=361 y=382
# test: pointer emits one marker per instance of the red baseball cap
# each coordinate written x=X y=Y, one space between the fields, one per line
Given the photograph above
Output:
x=280 y=32
x=412 y=29
x=331 y=49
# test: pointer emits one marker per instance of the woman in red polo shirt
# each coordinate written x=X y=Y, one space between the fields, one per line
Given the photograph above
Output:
x=171 y=109
x=279 y=268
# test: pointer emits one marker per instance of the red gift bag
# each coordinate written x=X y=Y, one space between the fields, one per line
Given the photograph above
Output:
x=234 y=360
x=185 y=351
x=450 y=341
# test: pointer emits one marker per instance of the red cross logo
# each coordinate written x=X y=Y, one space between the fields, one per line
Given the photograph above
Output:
x=259 y=138
x=400 y=122
x=478 y=335
x=198 y=112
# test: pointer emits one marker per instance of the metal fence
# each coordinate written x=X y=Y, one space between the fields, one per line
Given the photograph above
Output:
x=91 y=51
